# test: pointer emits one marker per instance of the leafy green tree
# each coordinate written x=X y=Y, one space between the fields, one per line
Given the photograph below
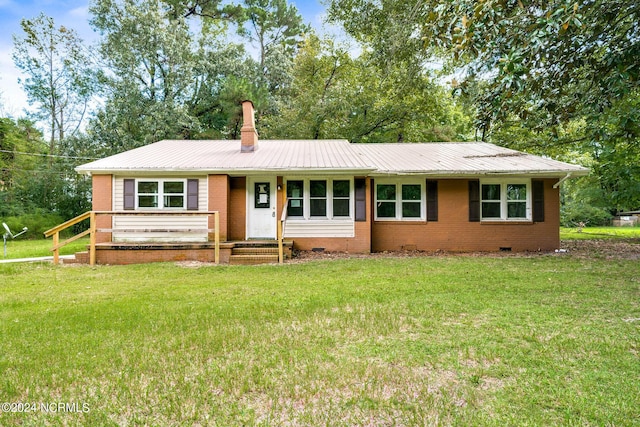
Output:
x=171 y=72
x=207 y=10
x=277 y=28
x=565 y=57
x=336 y=96
x=226 y=76
x=150 y=65
x=536 y=65
x=59 y=81
x=34 y=182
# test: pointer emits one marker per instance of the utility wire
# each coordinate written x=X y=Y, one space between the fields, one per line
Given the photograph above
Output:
x=49 y=155
x=51 y=172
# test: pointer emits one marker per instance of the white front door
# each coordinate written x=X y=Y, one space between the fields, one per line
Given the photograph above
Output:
x=261 y=208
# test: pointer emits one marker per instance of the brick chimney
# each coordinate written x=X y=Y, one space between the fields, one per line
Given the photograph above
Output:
x=249 y=136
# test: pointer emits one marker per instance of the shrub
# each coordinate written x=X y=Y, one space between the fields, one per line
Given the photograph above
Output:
x=572 y=214
x=584 y=201
x=37 y=223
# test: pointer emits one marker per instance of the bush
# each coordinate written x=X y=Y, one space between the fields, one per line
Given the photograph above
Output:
x=572 y=214
x=37 y=223
x=584 y=201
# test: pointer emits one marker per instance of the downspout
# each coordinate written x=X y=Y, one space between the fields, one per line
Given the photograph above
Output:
x=557 y=184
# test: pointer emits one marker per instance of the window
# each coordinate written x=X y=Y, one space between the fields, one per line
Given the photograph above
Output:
x=398 y=201
x=295 y=198
x=411 y=200
x=161 y=194
x=319 y=198
x=386 y=200
x=506 y=200
x=341 y=198
x=491 y=201
x=173 y=192
x=148 y=192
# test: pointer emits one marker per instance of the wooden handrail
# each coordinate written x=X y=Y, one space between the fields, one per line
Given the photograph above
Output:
x=67 y=224
x=281 y=223
x=91 y=215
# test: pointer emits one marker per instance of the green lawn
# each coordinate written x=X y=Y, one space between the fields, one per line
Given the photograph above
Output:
x=542 y=340
x=586 y=233
x=20 y=248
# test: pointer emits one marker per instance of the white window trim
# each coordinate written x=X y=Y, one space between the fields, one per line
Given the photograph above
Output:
x=306 y=199
x=161 y=182
x=503 y=199
x=399 y=183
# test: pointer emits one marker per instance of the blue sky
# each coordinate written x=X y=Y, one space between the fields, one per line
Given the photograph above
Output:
x=73 y=14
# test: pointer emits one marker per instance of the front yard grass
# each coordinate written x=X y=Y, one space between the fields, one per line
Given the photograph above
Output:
x=439 y=340
x=590 y=233
x=20 y=248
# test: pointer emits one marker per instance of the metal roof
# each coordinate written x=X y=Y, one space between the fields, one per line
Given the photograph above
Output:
x=225 y=156
x=309 y=156
x=462 y=158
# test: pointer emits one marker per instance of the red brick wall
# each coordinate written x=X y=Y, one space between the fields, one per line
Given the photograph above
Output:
x=219 y=201
x=454 y=232
x=102 y=194
x=104 y=255
x=237 y=208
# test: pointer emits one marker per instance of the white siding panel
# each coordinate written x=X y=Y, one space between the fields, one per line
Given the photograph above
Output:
x=160 y=223
x=319 y=228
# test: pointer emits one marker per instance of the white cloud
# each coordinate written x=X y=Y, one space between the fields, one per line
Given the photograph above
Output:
x=13 y=100
x=79 y=12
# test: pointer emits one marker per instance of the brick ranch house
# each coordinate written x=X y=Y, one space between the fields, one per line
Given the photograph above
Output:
x=329 y=194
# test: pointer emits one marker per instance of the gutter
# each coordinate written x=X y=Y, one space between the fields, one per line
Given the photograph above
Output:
x=557 y=184
x=231 y=171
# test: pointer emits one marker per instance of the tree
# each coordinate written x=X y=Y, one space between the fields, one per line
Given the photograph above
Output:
x=226 y=75
x=170 y=71
x=208 y=10
x=336 y=96
x=537 y=65
x=277 y=27
x=560 y=56
x=150 y=63
x=59 y=79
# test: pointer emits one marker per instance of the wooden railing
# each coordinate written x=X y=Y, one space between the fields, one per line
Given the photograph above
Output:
x=55 y=232
x=281 y=224
x=91 y=215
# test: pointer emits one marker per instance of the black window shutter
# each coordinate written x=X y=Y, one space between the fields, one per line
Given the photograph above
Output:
x=192 y=194
x=537 y=188
x=474 y=201
x=129 y=194
x=361 y=199
x=432 y=200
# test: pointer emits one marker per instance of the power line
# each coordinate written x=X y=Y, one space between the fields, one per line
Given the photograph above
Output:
x=50 y=172
x=58 y=156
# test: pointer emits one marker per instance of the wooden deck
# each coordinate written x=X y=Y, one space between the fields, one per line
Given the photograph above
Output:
x=233 y=252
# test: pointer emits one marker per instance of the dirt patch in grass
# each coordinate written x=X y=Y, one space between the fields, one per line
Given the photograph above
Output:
x=627 y=249
x=624 y=249
x=620 y=249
